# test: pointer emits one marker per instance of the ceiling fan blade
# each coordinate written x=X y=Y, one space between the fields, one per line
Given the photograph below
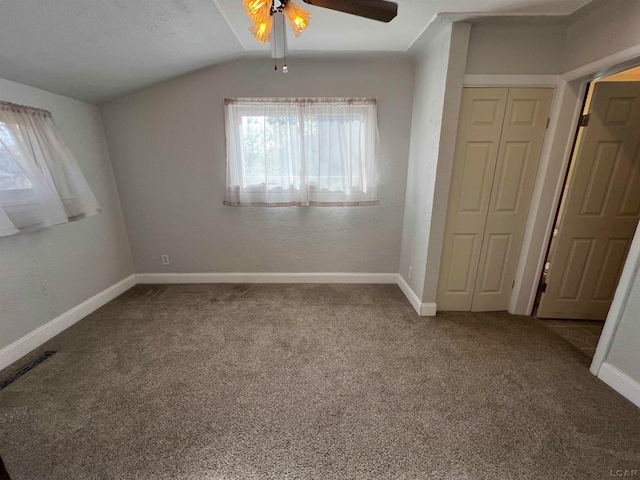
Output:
x=380 y=10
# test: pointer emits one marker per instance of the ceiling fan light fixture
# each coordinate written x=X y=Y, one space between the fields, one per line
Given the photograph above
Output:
x=297 y=17
x=259 y=11
x=262 y=30
x=268 y=25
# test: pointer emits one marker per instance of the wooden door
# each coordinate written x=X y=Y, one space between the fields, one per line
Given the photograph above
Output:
x=601 y=208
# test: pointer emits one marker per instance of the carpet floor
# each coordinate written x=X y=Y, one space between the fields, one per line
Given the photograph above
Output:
x=309 y=382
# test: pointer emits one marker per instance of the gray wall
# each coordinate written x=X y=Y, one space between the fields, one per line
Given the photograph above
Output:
x=440 y=60
x=539 y=45
x=624 y=353
x=428 y=102
x=167 y=145
x=601 y=28
x=520 y=48
x=458 y=50
x=43 y=274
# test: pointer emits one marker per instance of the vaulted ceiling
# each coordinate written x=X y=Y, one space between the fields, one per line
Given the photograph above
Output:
x=96 y=50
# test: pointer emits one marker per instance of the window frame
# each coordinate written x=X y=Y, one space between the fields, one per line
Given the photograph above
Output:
x=357 y=190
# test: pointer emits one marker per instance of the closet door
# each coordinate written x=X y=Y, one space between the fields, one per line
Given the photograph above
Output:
x=523 y=131
x=500 y=136
x=479 y=128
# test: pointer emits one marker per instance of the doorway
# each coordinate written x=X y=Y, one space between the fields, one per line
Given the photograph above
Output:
x=597 y=215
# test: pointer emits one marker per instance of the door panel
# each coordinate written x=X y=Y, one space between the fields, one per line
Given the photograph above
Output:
x=510 y=183
x=526 y=115
x=498 y=249
x=601 y=178
x=630 y=204
x=602 y=207
x=480 y=125
x=573 y=278
x=460 y=277
x=477 y=166
x=612 y=264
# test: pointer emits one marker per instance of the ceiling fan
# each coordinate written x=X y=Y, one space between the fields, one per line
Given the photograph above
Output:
x=268 y=15
x=381 y=10
x=261 y=11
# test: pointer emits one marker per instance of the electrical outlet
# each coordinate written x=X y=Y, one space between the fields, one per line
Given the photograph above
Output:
x=165 y=259
x=410 y=271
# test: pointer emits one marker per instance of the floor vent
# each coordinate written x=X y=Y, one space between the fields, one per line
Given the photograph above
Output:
x=5 y=383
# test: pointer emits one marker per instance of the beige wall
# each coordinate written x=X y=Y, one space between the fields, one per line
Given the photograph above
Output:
x=43 y=274
x=167 y=145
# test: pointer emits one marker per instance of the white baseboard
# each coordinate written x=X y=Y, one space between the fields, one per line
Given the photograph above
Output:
x=423 y=309
x=620 y=382
x=267 y=277
x=33 y=340
x=428 y=310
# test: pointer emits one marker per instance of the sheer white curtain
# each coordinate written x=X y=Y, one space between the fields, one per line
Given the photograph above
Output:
x=41 y=183
x=301 y=151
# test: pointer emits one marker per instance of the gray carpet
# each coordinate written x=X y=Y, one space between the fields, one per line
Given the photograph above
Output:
x=309 y=381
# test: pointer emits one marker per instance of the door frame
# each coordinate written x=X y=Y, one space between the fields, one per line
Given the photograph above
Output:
x=570 y=89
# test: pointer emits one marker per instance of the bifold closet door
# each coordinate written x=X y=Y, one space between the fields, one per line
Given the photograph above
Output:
x=523 y=131
x=479 y=129
x=500 y=136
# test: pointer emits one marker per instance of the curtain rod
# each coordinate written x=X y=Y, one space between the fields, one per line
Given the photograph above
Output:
x=18 y=107
x=310 y=100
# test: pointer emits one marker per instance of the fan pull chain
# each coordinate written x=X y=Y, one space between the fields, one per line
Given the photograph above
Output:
x=285 y=69
x=275 y=45
x=275 y=36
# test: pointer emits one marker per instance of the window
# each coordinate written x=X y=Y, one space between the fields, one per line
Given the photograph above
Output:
x=41 y=183
x=15 y=186
x=283 y=152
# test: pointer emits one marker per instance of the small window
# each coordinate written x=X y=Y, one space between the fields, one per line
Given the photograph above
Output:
x=15 y=186
x=41 y=183
x=283 y=152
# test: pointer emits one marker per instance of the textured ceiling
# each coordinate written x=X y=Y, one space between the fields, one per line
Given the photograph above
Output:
x=96 y=50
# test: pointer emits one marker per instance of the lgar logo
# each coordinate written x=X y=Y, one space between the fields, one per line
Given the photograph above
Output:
x=624 y=473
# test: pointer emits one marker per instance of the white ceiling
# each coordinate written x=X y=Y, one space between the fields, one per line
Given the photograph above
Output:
x=334 y=31
x=96 y=50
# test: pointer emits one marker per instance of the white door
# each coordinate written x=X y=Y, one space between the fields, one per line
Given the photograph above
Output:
x=500 y=136
x=479 y=129
x=523 y=133
x=601 y=208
